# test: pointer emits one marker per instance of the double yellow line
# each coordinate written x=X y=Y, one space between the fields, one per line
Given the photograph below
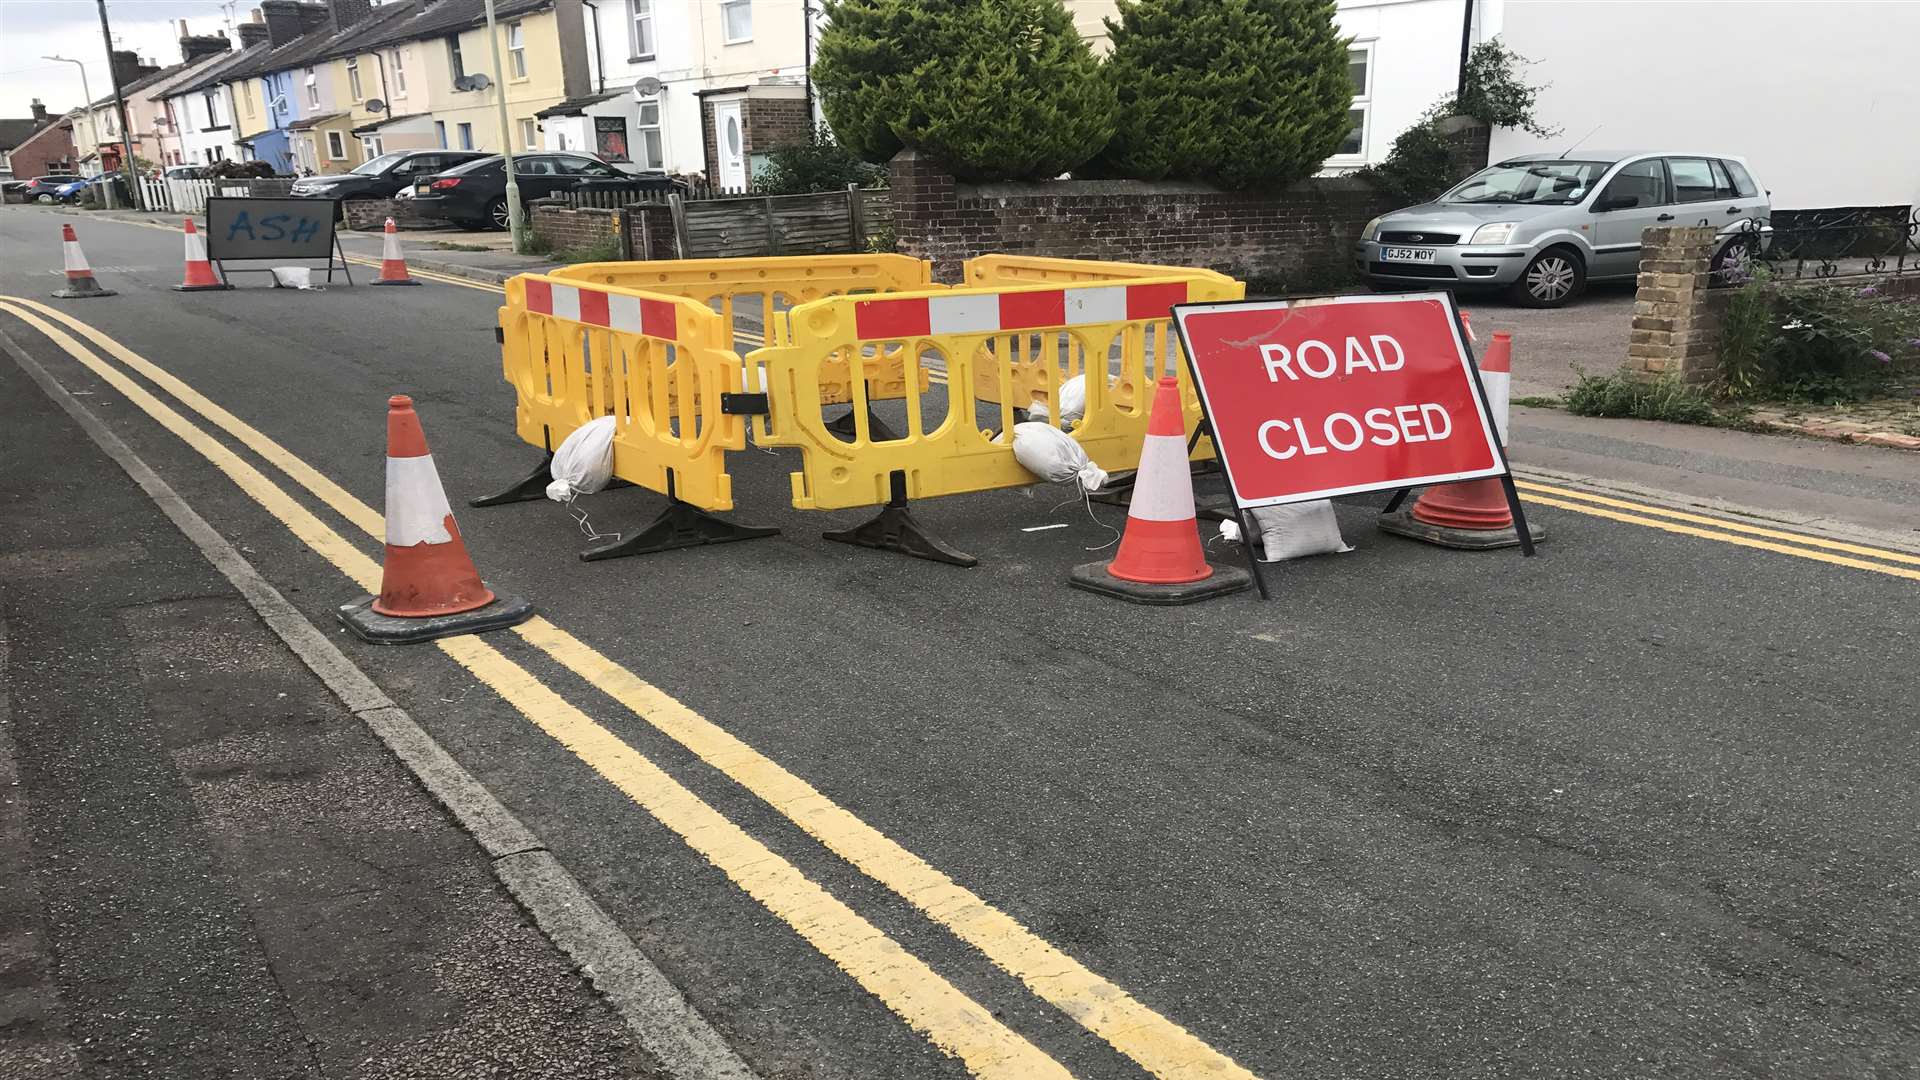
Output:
x=925 y=1000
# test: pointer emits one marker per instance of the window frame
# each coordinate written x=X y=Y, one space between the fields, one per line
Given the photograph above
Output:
x=1362 y=102
x=516 y=54
x=313 y=89
x=440 y=129
x=641 y=130
x=456 y=61
x=726 y=33
x=336 y=146
x=1713 y=173
x=529 y=133
x=465 y=132
x=638 y=12
x=1666 y=182
x=354 y=90
x=1744 y=185
x=213 y=113
x=399 y=74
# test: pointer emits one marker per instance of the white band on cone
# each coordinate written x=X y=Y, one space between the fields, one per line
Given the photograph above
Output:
x=417 y=509
x=75 y=259
x=1162 y=456
x=1499 y=386
x=196 y=248
x=390 y=247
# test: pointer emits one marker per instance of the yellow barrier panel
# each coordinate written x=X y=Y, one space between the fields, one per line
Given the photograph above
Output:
x=996 y=344
x=657 y=364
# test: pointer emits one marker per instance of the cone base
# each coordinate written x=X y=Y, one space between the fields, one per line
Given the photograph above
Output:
x=375 y=628
x=402 y=281
x=1405 y=524
x=201 y=288
x=77 y=294
x=1093 y=577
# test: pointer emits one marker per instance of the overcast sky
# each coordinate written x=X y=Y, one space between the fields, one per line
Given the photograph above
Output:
x=31 y=29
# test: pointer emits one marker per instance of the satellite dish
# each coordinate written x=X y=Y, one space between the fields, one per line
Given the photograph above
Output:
x=472 y=82
x=374 y=104
x=647 y=87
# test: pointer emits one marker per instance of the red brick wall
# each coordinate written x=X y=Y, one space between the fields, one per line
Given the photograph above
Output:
x=1304 y=232
x=564 y=227
x=45 y=148
x=766 y=124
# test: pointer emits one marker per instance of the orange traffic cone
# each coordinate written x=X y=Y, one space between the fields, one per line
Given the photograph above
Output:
x=80 y=282
x=1471 y=514
x=429 y=587
x=393 y=265
x=1161 y=560
x=199 y=271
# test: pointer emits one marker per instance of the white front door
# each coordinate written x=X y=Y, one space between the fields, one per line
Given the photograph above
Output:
x=731 y=137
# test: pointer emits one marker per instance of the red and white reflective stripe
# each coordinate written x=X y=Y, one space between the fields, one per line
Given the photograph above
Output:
x=390 y=247
x=1496 y=374
x=1466 y=320
x=616 y=311
x=417 y=510
x=1158 y=493
x=76 y=260
x=196 y=247
x=988 y=312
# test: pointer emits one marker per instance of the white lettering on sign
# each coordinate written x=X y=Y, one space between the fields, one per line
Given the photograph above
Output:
x=1423 y=422
x=1368 y=356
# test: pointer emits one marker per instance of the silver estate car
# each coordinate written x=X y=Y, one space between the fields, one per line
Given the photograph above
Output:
x=1541 y=227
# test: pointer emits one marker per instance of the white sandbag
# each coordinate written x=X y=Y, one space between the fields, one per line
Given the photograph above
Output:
x=1230 y=530
x=1051 y=454
x=584 y=462
x=293 y=277
x=1298 y=530
x=1073 y=402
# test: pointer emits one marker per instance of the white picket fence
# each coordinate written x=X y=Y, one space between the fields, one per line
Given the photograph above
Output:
x=184 y=196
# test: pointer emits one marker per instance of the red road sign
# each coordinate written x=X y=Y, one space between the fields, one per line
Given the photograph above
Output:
x=1334 y=395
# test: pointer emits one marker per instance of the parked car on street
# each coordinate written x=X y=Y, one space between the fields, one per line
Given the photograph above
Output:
x=475 y=193
x=41 y=188
x=381 y=177
x=1543 y=227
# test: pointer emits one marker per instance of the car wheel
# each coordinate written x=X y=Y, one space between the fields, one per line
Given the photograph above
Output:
x=1551 y=279
x=497 y=214
x=1733 y=263
x=44 y=199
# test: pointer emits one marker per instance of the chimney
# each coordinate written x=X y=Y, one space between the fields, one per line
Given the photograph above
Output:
x=194 y=47
x=284 y=21
x=252 y=33
x=348 y=12
x=127 y=67
x=39 y=115
x=315 y=17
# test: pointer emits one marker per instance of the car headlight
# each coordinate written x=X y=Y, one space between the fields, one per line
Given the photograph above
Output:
x=1372 y=230
x=1495 y=232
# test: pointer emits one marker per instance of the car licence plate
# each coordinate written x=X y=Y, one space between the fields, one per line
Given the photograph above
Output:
x=422 y=187
x=1406 y=254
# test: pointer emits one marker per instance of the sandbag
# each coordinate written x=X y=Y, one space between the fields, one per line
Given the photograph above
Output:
x=1051 y=454
x=584 y=462
x=1073 y=402
x=1297 y=530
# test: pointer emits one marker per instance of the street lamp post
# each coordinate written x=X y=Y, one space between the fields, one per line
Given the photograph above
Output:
x=86 y=107
x=516 y=222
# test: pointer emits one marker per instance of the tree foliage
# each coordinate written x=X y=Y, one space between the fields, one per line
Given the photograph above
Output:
x=1242 y=93
x=1423 y=161
x=1495 y=92
x=819 y=164
x=995 y=89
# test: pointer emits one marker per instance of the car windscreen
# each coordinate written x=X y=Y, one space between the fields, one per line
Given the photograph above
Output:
x=1552 y=182
x=376 y=166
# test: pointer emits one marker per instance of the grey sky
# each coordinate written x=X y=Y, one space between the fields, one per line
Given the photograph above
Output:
x=31 y=29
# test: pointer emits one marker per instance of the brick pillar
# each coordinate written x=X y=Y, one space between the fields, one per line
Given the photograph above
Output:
x=1676 y=318
x=922 y=193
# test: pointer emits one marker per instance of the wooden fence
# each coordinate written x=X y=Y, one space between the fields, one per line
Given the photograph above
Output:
x=827 y=223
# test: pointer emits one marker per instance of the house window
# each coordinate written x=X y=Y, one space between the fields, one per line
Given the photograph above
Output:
x=213 y=111
x=640 y=28
x=216 y=153
x=517 y=51
x=440 y=129
x=454 y=61
x=353 y=78
x=1360 y=67
x=528 y=134
x=650 y=156
x=370 y=146
x=313 y=89
x=246 y=94
x=736 y=20
x=466 y=136
x=336 y=146
x=399 y=74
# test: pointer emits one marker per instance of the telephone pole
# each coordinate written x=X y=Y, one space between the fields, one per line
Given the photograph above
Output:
x=516 y=216
x=120 y=106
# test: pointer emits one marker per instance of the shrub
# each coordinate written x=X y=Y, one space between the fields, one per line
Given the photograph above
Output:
x=1815 y=342
x=1242 y=93
x=1422 y=163
x=819 y=164
x=995 y=89
x=1666 y=399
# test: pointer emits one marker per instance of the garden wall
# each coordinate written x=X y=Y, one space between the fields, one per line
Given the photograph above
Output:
x=1302 y=234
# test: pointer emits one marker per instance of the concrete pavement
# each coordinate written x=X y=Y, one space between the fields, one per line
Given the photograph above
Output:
x=1636 y=807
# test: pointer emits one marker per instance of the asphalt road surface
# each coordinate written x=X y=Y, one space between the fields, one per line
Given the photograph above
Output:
x=1641 y=806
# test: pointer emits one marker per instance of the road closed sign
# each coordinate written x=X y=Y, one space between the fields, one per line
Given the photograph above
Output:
x=1313 y=398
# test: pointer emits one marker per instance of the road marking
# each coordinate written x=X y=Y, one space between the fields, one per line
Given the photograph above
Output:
x=1726 y=538
x=1719 y=523
x=1159 y=1045
x=953 y=1022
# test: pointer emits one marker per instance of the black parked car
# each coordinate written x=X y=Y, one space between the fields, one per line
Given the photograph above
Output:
x=383 y=176
x=475 y=194
x=42 y=188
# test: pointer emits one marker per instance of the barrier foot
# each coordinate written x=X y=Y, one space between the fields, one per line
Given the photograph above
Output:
x=533 y=486
x=877 y=429
x=680 y=525
x=896 y=529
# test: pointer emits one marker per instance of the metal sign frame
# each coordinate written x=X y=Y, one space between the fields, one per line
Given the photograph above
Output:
x=334 y=249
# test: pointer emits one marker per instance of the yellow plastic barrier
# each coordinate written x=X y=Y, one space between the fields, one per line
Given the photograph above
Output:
x=997 y=345
x=657 y=364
